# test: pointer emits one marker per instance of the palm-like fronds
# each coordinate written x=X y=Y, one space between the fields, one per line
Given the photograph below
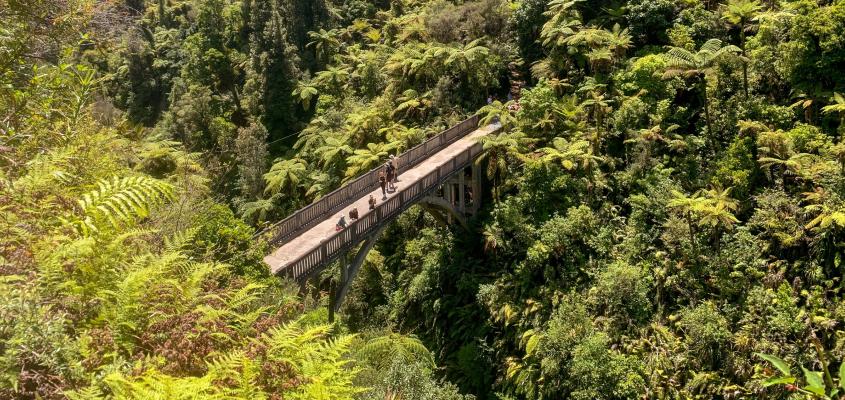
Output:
x=577 y=154
x=324 y=42
x=236 y=307
x=333 y=79
x=382 y=350
x=712 y=208
x=411 y=62
x=312 y=136
x=365 y=159
x=306 y=91
x=826 y=217
x=466 y=57
x=401 y=136
x=259 y=209
x=828 y=209
x=680 y=61
x=285 y=174
x=333 y=150
x=838 y=106
x=498 y=112
x=412 y=103
x=740 y=12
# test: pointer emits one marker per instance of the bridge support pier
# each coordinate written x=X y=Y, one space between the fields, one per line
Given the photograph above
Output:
x=461 y=193
x=476 y=175
x=348 y=272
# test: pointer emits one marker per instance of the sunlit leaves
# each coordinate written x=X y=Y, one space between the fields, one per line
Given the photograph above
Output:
x=285 y=174
x=363 y=160
x=711 y=208
x=333 y=80
x=119 y=202
x=306 y=91
x=324 y=43
x=385 y=349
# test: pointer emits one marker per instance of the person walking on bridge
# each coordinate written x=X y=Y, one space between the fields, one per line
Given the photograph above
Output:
x=390 y=170
x=382 y=181
x=395 y=162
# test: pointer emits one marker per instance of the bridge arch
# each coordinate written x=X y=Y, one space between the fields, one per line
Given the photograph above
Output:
x=306 y=242
x=433 y=205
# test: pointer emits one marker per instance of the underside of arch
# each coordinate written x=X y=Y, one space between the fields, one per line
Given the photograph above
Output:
x=440 y=208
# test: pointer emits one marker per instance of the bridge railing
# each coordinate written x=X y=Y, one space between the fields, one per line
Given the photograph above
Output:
x=339 y=242
x=312 y=214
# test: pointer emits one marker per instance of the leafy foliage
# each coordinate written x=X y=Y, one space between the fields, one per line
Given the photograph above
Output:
x=661 y=216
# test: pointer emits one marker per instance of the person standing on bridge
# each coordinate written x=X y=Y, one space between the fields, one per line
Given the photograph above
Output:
x=382 y=181
x=395 y=163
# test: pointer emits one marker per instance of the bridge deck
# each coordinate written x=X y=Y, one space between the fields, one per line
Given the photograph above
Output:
x=312 y=238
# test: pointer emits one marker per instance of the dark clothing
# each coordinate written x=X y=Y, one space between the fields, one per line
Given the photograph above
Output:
x=353 y=214
x=373 y=202
x=391 y=170
x=383 y=183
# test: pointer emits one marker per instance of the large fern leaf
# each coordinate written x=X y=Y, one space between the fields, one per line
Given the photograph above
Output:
x=120 y=202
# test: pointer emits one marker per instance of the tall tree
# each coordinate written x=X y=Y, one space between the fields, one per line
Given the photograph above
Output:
x=680 y=61
x=740 y=14
x=272 y=69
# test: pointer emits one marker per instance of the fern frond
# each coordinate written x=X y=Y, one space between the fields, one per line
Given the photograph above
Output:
x=179 y=240
x=385 y=349
x=679 y=57
x=120 y=202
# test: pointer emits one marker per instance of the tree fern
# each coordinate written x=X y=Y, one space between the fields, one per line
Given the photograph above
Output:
x=381 y=351
x=285 y=175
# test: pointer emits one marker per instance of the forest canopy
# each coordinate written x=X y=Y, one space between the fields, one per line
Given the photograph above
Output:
x=663 y=214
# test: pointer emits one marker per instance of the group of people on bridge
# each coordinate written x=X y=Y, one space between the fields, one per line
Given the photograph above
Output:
x=387 y=179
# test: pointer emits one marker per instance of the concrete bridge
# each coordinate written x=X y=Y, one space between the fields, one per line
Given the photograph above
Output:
x=439 y=174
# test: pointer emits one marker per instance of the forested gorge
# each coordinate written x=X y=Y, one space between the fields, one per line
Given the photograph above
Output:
x=664 y=215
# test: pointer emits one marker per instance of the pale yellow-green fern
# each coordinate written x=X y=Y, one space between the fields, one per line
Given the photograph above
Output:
x=119 y=202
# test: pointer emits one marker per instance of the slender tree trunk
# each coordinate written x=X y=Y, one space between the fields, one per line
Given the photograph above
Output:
x=161 y=12
x=707 y=110
x=744 y=61
x=691 y=231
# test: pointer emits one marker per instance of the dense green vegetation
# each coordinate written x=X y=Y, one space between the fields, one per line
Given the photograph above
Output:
x=664 y=219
